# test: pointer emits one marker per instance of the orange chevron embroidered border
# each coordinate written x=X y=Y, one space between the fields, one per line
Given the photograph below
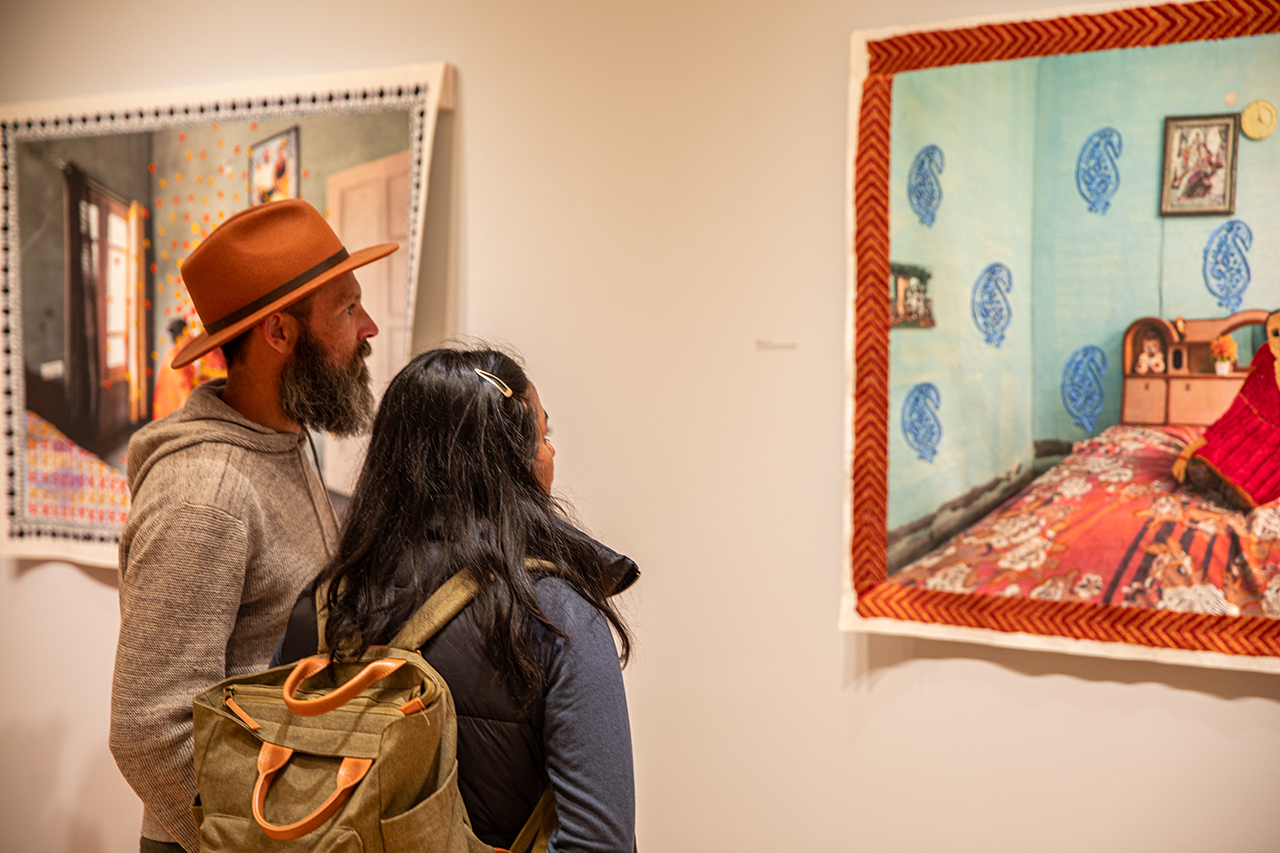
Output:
x=1142 y=27
x=1233 y=635
x=871 y=342
x=1154 y=25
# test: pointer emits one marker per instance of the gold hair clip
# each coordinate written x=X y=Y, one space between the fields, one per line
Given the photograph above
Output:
x=494 y=381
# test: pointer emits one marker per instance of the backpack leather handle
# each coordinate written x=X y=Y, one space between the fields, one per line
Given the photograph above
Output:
x=308 y=667
x=273 y=757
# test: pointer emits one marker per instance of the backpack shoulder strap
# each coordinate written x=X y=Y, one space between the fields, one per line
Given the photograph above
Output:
x=537 y=830
x=444 y=604
x=321 y=596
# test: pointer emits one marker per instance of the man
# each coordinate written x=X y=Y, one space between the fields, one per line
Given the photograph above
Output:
x=229 y=518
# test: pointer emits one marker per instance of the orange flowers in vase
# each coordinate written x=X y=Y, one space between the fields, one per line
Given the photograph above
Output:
x=1223 y=350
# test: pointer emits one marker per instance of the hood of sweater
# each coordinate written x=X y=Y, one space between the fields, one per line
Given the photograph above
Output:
x=204 y=418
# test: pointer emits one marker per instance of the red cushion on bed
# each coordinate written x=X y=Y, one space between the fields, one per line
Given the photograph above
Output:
x=1244 y=444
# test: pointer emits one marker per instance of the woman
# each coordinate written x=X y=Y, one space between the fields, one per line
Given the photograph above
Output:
x=458 y=476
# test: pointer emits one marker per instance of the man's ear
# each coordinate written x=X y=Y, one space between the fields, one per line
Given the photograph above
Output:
x=280 y=331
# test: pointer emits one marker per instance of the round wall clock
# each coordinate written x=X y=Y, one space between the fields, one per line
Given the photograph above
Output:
x=1258 y=119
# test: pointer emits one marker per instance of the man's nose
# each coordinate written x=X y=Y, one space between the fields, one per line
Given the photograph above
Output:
x=367 y=328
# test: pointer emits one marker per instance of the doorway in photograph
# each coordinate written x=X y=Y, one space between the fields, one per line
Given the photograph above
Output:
x=368 y=204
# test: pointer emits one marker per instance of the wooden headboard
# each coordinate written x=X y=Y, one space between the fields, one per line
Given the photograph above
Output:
x=1187 y=390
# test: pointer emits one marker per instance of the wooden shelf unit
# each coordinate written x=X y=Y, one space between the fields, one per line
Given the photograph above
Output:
x=1188 y=391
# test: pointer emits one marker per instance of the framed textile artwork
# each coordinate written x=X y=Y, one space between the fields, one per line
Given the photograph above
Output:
x=1199 y=176
x=103 y=198
x=997 y=492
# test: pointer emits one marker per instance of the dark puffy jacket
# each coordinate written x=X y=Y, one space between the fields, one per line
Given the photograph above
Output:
x=576 y=736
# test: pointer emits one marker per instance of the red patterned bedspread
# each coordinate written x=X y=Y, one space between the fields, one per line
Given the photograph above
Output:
x=1110 y=525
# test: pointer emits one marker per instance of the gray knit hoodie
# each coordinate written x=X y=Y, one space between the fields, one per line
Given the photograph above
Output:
x=229 y=521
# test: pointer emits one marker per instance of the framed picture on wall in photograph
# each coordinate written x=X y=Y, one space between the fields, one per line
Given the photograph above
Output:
x=1199 y=176
x=909 y=301
x=273 y=168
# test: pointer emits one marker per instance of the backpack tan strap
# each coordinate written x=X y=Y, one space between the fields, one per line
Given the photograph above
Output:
x=537 y=830
x=454 y=594
x=322 y=616
x=444 y=604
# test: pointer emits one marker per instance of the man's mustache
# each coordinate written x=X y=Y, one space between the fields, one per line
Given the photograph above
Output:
x=363 y=351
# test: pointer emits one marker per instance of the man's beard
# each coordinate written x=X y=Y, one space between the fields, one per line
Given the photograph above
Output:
x=321 y=395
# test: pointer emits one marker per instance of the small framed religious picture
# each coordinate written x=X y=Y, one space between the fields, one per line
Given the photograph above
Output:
x=909 y=302
x=273 y=168
x=1199 y=176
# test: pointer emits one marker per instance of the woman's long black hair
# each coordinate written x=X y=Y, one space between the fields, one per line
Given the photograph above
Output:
x=448 y=484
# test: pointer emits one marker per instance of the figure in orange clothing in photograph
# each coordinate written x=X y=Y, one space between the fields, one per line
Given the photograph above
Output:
x=1239 y=454
x=275 y=168
x=280 y=182
x=174 y=385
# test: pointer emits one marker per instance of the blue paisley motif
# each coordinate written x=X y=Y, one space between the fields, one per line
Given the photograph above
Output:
x=1226 y=269
x=923 y=189
x=991 y=309
x=920 y=425
x=1097 y=175
x=1082 y=392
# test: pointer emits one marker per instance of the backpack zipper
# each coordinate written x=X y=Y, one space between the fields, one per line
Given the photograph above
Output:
x=230 y=696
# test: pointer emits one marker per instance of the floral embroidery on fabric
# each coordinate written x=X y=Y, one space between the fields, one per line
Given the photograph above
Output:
x=1271 y=598
x=1007 y=532
x=1089 y=586
x=1073 y=487
x=1163 y=508
x=1172 y=565
x=1116 y=475
x=1026 y=555
x=953 y=578
x=1201 y=598
x=1264 y=522
x=1054 y=589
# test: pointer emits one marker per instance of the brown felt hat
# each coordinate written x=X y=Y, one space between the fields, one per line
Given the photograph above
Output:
x=259 y=261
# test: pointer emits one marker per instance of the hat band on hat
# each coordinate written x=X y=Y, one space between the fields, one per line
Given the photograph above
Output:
x=283 y=290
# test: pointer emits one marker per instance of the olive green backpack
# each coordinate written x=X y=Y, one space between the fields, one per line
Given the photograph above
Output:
x=349 y=757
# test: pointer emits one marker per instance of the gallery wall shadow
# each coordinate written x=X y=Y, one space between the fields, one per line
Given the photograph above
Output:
x=100 y=574
x=867 y=656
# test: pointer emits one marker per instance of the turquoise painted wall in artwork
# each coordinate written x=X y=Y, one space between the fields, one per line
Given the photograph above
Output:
x=1095 y=274
x=1250 y=67
x=1012 y=133
x=984 y=218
